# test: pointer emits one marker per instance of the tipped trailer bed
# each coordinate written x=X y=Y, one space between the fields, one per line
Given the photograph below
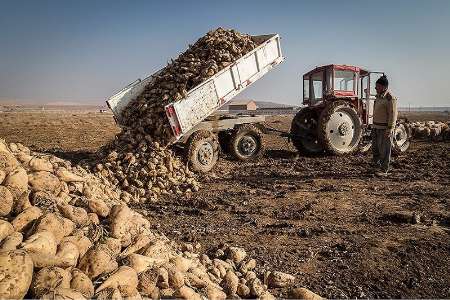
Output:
x=192 y=119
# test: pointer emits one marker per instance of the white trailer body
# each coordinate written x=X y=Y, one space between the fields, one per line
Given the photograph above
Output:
x=204 y=99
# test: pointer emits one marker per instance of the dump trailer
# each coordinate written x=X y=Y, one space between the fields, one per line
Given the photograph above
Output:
x=195 y=123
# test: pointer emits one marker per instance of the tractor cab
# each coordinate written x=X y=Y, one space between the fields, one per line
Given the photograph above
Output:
x=338 y=82
x=329 y=83
x=341 y=82
x=338 y=110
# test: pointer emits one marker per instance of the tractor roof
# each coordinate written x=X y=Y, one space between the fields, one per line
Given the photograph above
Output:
x=338 y=67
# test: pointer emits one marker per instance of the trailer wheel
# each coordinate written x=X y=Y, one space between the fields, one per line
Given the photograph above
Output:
x=202 y=151
x=246 y=142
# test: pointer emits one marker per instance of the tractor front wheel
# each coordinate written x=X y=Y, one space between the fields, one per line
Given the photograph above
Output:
x=401 y=139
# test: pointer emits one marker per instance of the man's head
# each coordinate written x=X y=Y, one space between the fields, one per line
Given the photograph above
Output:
x=382 y=84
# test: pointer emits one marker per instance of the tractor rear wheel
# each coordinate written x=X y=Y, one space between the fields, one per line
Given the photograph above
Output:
x=401 y=139
x=340 y=128
x=304 y=132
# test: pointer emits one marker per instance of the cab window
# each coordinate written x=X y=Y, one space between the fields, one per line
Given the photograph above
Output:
x=305 y=89
x=344 y=80
x=317 y=86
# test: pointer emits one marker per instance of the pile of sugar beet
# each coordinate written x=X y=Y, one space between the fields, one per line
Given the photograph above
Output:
x=139 y=161
x=68 y=232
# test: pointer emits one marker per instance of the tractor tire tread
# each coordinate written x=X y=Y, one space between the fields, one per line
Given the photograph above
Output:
x=325 y=117
x=297 y=142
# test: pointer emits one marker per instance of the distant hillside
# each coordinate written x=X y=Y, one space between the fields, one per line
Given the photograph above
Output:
x=426 y=109
x=40 y=102
x=261 y=104
x=266 y=105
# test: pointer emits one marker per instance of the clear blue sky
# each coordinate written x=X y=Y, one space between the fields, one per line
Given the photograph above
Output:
x=83 y=51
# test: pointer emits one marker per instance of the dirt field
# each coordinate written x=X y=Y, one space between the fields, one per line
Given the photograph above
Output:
x=327 y=220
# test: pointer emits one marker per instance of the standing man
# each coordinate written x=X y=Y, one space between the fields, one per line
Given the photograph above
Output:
x=384 y=119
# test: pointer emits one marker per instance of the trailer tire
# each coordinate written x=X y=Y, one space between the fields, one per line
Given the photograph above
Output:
x=246 y=142
x=202 y=151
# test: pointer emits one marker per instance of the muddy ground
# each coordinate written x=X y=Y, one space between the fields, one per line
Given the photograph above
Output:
x=327 y=220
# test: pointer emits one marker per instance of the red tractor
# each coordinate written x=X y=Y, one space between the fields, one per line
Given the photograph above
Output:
x=338 y=114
